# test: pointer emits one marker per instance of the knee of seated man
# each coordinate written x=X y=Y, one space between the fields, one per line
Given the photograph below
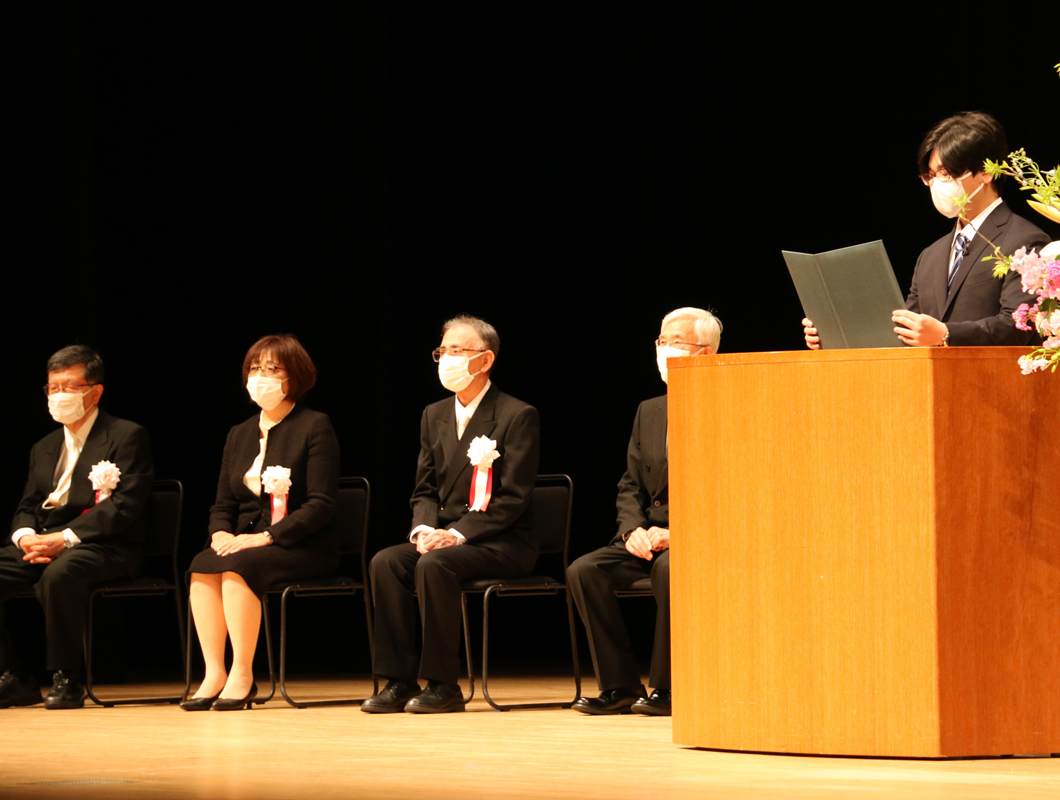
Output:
x=60 y=574
x=660 y=570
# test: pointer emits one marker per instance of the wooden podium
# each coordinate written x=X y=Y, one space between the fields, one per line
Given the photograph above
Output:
x=865 y=552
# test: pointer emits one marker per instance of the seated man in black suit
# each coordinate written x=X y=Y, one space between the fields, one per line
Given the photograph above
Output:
x=477 y=467
x=954 y=298
x=641 y=549
x=80 y=522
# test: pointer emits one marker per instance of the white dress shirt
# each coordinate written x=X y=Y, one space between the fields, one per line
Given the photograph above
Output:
x=463 y=417
x=73 y=444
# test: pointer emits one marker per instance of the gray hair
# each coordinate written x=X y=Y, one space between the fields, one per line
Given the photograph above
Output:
x=707 y=326
x=486 y=332
x=78 y=355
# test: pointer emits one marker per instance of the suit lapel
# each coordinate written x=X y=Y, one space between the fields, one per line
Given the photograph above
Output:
x=988 y=231
x=482 y=424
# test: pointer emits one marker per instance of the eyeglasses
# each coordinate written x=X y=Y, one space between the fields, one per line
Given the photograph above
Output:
x=660 y=342
x=939 y=173
x=437 y=353
x=56 y=388
x=269 y=370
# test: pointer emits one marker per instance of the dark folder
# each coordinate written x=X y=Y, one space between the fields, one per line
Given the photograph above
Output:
x=849 y=294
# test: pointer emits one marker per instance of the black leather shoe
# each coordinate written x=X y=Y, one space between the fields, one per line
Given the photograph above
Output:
x=199 y=703
x=16 y=692
x=67 y=692
x=235 y=704
x=614 y=701
x=658 y=705
x=392 y=699
x=437 y=698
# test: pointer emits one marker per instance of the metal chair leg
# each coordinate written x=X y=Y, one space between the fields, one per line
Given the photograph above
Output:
x=87 y=644
x=268 y=651
x=371 y=638
x=467 y=649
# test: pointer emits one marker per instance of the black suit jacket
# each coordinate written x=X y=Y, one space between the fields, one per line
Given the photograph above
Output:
x=443 y=474
x=644 y=491
x=978 y=307
x=119 y=520
x=305 y=443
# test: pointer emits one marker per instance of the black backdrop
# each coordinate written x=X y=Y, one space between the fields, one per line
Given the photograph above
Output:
x=189 y=177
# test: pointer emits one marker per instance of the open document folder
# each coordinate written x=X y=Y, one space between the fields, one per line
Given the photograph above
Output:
x=849 y=294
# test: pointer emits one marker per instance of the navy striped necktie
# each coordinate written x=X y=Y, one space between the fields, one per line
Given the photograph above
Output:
x=962 y=248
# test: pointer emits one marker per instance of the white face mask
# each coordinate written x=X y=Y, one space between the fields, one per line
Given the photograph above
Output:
x=67 y=408
x=266 y=392
x=453 y=372
x=944 y=193
x=663 y=353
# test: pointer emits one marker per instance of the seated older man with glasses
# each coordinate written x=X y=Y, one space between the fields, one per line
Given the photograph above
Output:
x=477 y=467
x=641 y=548
x=80 y=522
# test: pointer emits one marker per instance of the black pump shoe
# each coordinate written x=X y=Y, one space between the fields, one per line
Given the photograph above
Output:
x=198 y=703
x=237 y=704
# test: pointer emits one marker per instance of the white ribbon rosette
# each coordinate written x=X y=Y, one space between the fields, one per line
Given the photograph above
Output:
x=104 y=476
x=482 y=453
x=276 y=480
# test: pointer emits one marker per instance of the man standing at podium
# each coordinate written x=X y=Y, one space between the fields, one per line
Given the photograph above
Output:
x=954 y=298
x=641 y=548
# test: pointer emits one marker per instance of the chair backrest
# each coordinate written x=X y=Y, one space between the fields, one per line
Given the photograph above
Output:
x=351 y=513
x=164 y=513
x=550 y=509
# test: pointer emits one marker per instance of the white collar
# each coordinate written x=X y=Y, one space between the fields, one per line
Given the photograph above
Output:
x=76 y=441
x=469 y=410
x=972 y=227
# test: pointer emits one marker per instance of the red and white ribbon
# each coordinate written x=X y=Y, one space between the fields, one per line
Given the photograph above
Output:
x=482 y=453
x=481 y=489
x=279 y=507
x=276 y=480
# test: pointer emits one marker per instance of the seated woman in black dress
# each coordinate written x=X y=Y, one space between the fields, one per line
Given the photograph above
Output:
x=263 y=531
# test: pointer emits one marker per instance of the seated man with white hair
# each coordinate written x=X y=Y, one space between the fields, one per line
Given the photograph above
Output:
x=641 y=549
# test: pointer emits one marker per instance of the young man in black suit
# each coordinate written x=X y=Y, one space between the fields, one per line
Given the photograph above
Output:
x=641 y=548
x=80 y=522
x=954 y=298
x=468 y=521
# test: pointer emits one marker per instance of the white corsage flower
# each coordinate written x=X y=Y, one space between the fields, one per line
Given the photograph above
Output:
x=482 y=452
x=276 y=480
x=104 y=476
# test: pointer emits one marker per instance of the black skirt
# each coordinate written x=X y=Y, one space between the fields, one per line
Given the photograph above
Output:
x=263 y=567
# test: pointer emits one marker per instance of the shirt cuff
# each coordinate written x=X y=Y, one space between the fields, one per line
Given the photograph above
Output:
x=460 y=538
x=70 y=538
x=417 y=531
x=20 y=533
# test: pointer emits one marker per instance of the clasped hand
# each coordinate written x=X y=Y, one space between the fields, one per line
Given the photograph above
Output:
x=642 y=542
x=432 y=540
x=224 y=543
x=41 y=549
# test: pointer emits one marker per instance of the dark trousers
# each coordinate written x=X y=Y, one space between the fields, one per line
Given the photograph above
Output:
x=62 y=587
x=593 y=579
x=435 y=578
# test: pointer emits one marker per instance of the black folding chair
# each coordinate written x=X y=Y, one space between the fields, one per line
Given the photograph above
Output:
x=160 y=558
x=639 y=588
x=550 y=510
x=352 y=514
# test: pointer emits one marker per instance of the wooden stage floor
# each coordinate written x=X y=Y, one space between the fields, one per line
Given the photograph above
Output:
x=276 y=751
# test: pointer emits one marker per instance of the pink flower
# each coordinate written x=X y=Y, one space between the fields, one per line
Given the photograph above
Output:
x=1019 y=316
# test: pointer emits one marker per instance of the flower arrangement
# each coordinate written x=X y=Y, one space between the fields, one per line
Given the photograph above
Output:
x=1041 y=276
x=1040 y=271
